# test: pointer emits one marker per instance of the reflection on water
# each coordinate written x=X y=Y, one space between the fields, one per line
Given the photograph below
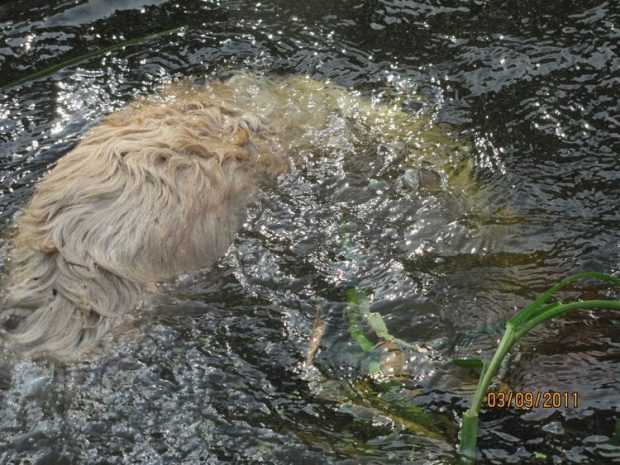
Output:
x=520 y=119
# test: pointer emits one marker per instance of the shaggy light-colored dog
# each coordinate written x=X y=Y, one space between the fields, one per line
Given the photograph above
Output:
x=156 y=190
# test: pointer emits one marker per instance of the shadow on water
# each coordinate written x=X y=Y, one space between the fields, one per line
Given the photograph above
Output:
x=520 y=113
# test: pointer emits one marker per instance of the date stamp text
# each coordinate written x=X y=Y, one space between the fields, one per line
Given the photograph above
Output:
x=532 y=399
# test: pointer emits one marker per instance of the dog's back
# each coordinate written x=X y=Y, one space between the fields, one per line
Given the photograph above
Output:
x=158 y=188
x=155 y=190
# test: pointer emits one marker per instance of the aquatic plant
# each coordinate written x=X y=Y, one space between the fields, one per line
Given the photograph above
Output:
x=378 y=392
x=537 y=312
x=94 y=53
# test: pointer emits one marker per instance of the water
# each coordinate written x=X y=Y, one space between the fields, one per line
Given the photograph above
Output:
x=214 y=371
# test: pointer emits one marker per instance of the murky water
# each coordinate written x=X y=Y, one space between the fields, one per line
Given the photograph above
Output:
x=526 y=99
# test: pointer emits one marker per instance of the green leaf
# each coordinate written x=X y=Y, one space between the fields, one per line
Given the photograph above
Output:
x=468 y=363
x=94 y=53
x=375 y=320
x=526 y=319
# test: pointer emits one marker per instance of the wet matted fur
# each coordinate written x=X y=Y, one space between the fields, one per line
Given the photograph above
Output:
x=155 y=190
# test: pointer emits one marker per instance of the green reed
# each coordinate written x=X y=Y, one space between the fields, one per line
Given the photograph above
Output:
x=529 y=317
x=94 y=53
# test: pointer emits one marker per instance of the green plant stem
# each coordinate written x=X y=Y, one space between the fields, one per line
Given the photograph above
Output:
x=534 y=307
x=355 y=329
x=492 y=368
x=357 y=308
x=517 y=327
x=469 y=431
x=559 y=310
x=94 y=53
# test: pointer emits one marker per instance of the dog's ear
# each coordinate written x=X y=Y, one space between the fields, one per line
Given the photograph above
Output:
x=243 y=136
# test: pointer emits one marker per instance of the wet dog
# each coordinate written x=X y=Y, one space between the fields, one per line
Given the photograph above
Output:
x=155 y=190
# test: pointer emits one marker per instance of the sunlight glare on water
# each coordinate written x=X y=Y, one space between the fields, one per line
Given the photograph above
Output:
x=471 y=165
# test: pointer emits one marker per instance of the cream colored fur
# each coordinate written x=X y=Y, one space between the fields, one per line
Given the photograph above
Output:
x=156 y=190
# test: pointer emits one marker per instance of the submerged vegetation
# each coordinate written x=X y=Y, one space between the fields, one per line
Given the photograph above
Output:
x=378 y=392
x=537 y=312
x=86 y=56
x=381 y=392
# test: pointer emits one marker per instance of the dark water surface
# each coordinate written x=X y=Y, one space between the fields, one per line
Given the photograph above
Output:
x=217 y=374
